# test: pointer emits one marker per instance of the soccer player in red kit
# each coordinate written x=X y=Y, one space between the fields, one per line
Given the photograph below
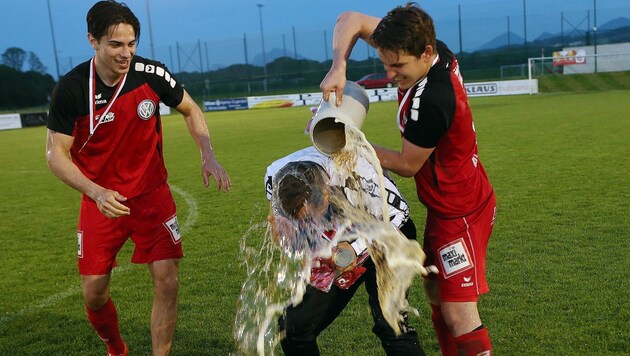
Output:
x=439 y=149
x=104 y=139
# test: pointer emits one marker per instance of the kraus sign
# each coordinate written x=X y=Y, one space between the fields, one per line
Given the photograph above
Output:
x=505 y=87
x=478 y=89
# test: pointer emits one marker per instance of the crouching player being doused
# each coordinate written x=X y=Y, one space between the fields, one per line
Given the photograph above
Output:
x=304 y=190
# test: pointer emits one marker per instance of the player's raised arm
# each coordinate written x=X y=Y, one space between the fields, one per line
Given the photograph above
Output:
x=349 y=28
x=199 y=131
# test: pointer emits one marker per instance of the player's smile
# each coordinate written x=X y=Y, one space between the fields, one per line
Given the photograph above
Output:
x=114 y=52
x=123 y=63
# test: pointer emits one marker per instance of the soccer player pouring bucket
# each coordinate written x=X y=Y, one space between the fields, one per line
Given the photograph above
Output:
x=439 y=150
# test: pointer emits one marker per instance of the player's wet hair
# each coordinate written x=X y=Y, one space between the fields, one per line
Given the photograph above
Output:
x=107 y=13
x=406 y=28
x=300 y=183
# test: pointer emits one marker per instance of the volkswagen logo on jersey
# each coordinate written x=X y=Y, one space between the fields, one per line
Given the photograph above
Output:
x=146 y=109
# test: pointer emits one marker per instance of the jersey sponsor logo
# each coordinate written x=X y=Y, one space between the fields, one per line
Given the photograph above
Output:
x=159 y=71
x=468 y=282
x=172 y=226
x=455 y=258
x=80 y=244
x=370 y=187
x=146 y=109
x=98 y=100
x=108 y=118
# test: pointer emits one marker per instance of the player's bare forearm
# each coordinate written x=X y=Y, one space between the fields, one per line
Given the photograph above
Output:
x=392 y=161
x=197 y=127
x=349 y=28
x=405 y=163
x=196 y=123
x=109 y=202
x=59 y=162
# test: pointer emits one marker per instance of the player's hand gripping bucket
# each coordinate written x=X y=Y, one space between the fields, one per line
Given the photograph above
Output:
x=328 y=126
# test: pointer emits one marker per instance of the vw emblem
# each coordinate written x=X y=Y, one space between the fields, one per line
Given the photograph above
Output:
x=146 y=109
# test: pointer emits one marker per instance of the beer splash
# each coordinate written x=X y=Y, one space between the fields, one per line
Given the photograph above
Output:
x=278 y=268
x=397 y=259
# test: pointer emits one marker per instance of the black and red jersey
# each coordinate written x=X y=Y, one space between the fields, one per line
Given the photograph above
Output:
x=435 y=113
x=124 y=153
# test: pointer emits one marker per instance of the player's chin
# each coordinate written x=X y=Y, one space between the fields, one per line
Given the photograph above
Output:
x=404 y=85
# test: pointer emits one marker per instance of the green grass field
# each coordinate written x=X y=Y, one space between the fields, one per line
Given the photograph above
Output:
x=558 y=262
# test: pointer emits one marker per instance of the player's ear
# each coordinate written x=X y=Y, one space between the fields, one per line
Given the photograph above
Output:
x=93 y=41
x=428 y=51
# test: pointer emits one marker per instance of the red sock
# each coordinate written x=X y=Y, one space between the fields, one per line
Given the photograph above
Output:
x=445 y=338
x=105 y=322
x=476 y=343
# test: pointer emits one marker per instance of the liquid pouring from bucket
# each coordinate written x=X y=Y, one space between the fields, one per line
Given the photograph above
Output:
x=328 y=126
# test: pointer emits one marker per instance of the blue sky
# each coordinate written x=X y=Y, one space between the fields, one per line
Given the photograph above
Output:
x=25 y=24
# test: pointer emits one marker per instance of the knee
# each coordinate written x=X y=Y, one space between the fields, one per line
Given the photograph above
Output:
x=383 y=331
x=165 y=277
x=167 y=284
x=300 y=338
x=95 y=295
x=297 y=329
x=95 y=301
x=461 y=317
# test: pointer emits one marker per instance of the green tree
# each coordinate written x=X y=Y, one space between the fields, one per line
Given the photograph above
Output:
x=36 y=64
x=23 y=89
x=14 y=57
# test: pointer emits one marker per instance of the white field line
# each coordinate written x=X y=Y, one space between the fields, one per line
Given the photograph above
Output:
x=193 y=213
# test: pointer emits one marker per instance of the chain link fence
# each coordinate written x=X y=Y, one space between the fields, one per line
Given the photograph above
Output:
x=488 y=48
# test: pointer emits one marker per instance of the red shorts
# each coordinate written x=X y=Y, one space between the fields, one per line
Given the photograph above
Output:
x=457 y=247
x=152 y=226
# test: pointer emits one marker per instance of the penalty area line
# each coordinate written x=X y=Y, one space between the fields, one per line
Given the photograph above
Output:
x=191 y=219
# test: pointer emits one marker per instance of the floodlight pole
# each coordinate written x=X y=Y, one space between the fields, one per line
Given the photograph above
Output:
x=262 y=37
x=151 y=32
x=595 y=32
x=459 y=11
x=525 y=23
x=54 y=43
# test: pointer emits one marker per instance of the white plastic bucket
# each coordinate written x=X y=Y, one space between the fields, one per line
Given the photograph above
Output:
x=328 y=126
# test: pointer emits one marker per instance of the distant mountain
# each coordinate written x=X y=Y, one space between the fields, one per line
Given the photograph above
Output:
x=614 y=24
x=272 y=55
x=545 y=36
x=505 y=39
